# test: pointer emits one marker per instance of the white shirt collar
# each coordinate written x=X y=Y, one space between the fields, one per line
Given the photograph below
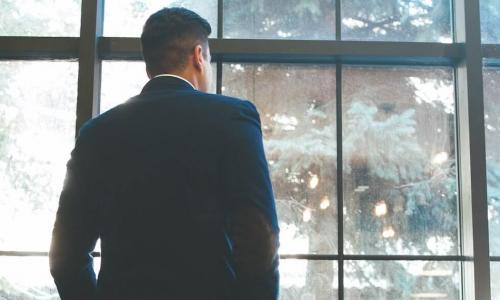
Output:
x=172 y=75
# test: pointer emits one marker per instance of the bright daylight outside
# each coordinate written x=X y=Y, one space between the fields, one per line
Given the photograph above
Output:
x=399 y=160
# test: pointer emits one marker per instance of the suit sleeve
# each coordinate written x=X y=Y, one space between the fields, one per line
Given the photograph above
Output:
x=75 y=230
x=251 y=215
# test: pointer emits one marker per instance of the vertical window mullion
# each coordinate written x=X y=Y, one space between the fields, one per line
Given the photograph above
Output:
x=338 y=20
x=220 y=34
x=89 y=71
x=472 y=156
x=340 y=190
x=340 y=182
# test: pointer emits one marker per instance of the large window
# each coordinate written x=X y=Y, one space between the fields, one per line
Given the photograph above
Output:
x=361 y=104
x=399 y=170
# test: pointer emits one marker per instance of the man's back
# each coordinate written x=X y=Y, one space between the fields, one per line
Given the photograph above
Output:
x=175 y=184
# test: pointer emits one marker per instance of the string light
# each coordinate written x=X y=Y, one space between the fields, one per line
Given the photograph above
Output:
x=380 y=208
x=313 y=182
x=388 y=232
x=440 y=158
x=325 y=203
x=306 y=216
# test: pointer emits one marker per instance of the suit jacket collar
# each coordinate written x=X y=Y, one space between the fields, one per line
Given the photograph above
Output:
x=166 y=83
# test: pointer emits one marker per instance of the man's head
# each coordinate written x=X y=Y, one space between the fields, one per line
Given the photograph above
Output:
x=175 y=41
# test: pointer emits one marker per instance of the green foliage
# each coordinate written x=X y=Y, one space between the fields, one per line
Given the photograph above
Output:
x=493 y=176
x=393 y=152
x=300 y=19
x=399 y=20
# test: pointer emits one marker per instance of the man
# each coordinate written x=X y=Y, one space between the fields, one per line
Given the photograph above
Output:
x=175 y=184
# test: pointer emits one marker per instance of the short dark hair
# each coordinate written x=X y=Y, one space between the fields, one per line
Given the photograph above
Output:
x=169 y=36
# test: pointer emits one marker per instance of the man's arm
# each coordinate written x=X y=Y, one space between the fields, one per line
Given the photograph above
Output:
x=252 y=221
x=75 y=230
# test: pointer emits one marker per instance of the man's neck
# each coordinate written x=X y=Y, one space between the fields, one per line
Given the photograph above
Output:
x=177 y=76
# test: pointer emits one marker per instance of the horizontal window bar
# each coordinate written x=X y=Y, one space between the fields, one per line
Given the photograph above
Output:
x=345 y=51
x=243 y=50
x=38 y=47
x=23 y=253
x=304 y=256
x=376 y=257
x=310 y=256
x=34 y=253
x=14 y=47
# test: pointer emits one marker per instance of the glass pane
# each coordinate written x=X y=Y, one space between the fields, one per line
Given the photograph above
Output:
x=492 y=125
x=279 y=19
x=40 y=17
x=495 y=279
x=297 y=110
x=28 y=278
x=122 y=80
x=37 y=129
x=490 y=18
x=125 y=18
x=308 y=279
x=402 y=280
x=400 y=188
x=97 y=265
x=395 y=20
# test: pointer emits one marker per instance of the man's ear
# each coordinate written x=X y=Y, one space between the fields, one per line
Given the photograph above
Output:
x=198 y=58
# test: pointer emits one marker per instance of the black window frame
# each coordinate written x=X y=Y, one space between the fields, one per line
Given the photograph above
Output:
x=466 y=55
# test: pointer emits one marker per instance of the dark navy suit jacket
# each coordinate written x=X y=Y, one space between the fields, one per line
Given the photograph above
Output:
x=176 y=185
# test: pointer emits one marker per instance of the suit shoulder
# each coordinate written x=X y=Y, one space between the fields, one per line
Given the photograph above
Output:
x=230 y=103
x=237 y=112
x=93 y=127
